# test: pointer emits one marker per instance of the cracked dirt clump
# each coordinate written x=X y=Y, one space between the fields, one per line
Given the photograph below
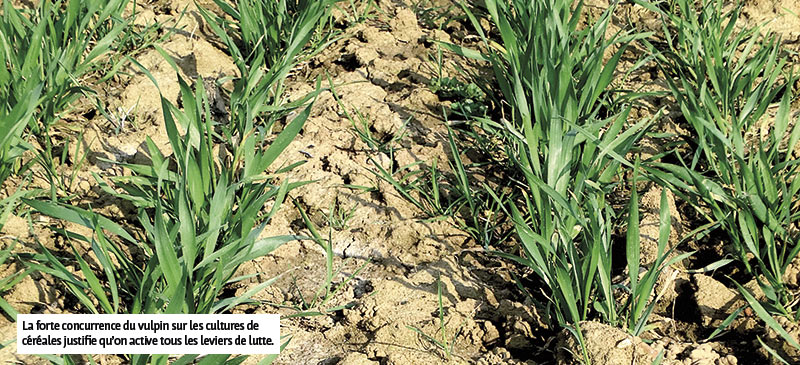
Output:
x=677 y=353
x=604 y=345
x=714 y=300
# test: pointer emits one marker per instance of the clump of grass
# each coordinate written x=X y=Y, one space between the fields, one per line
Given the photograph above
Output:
x=201 y=221
x=318 y=303
x=741 y=181
x=424 y=186
x=441 y=196
x=267 y=39
x=339 y=215
x=641 y=284
x=192 y=205
x=13 y=120
x=278 y=31
x=566 y=140
x=434 y=16
x=57 y=46
x=202 y=209
x=555 y=79
x=358 y=11
x=8 y=282
x=564 y=146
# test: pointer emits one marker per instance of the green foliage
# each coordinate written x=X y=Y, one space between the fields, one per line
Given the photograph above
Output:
x=357 y=11
x=566 y=140
x=556 y=82
x=441 y=340
x=12 y=125
x=734 y=70
x=201 y=221
x=468 y=100
x=201 y=210
x=8 y=282
x=317 y=304
x=48 y=52
x=278 y=31
x=641 y=285
x=739 y=179
x=56 y=44
x=339 y=215
x=267 y=39
x=433 y=15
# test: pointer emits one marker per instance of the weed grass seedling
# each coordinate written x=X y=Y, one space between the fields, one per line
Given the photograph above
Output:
x=8 y=282
x=358 y=11
x=318 y=304
x=434 y=16
x=339 y=215
x=441 y=340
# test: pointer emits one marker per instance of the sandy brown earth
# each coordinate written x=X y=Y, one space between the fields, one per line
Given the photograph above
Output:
x=390 y=260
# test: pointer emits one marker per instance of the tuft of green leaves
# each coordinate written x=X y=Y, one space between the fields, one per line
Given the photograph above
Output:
x=267 y=39
x=55 y=44
x=726 y=83
x=13 y=121
x=201 y=209
x=441 y=340
x=201 y=220
x=9 y=281
x=54 y=48
x=566 y=143
x=468 y=100
x=567 y=139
